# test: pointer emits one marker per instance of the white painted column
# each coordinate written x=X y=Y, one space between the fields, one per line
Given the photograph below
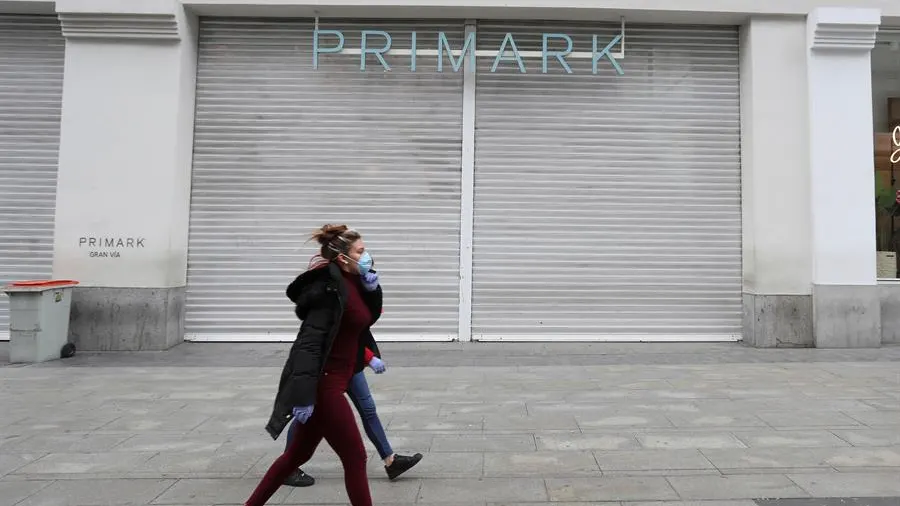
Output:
x=467 y=206
x=775 y=192
x=846 y=310
x=124 y=169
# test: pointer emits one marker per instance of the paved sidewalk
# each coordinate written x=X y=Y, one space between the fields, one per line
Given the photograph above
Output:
x=498 y=424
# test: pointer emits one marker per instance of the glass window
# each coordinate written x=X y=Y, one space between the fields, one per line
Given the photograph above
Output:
x=886 y=113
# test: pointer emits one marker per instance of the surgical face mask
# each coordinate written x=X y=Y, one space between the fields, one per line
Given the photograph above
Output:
x=365 y=263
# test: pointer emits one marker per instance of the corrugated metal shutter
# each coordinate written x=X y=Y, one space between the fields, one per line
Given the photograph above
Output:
x=281 y=148
x=32 y=54
x=609 y=206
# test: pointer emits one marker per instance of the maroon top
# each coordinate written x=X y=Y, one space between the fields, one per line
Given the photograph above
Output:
x=357 y=317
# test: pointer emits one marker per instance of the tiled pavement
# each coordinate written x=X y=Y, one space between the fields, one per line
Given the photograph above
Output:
x=504 y=424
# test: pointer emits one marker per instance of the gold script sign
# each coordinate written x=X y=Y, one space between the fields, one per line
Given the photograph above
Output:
x=895 y=156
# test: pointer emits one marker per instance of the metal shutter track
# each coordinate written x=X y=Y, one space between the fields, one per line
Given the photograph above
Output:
x=281 y=149
x=608 y=207
x=32 y=54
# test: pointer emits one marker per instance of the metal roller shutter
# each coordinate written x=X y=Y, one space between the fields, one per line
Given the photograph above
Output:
x=32 y=54
x=608 y=207
x=281 y=148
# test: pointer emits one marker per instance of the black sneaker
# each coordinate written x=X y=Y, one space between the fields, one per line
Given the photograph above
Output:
x=299 y=479
x=401 y=464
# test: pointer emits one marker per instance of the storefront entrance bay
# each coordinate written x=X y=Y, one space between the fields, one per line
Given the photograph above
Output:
x=32 y=53
x=604 y=206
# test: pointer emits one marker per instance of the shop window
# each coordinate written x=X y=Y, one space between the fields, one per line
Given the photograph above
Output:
x=886 y=113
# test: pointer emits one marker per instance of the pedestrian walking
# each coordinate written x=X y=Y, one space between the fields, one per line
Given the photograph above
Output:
x=394 y=464
x=338 y=299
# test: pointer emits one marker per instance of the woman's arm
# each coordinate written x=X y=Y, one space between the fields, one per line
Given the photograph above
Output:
x=307 y=355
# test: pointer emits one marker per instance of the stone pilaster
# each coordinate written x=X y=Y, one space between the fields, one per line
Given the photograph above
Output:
x=846 y=307
x=124 y=170
x=777 y=261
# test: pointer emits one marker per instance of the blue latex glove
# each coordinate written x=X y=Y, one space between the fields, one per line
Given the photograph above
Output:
x=370 y=281
x=377 y=365
x=302 y=413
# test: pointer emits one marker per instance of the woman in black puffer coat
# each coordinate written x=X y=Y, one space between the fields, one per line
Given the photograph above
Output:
x=338 y=300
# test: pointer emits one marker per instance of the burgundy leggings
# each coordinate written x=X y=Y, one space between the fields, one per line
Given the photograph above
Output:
x=332 y=420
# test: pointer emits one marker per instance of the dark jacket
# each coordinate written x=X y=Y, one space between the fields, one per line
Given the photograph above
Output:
x=319 y=295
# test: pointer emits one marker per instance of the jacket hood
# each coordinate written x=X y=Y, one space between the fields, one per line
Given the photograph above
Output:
x=308 y=286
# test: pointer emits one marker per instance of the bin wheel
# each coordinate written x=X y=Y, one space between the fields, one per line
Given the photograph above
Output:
x=68 y=350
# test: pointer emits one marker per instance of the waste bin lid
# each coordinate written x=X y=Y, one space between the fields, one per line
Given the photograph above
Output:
x=38 y=285
x=47 y=283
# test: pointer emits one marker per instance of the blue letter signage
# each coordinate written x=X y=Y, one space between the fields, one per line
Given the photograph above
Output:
x=364 y=49
x=317 y=49
x=605 y=53
x=507 y=52
x=560 y=55
x=444 y=45
x=501 y=54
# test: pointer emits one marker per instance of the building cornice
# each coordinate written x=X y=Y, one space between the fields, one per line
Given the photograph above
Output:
x=119 y=26
x=153 y=20
x=838 y=28
x=27 y=6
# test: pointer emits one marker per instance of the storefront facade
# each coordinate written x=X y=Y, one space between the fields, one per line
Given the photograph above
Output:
x=568 y=169
x=635 y=175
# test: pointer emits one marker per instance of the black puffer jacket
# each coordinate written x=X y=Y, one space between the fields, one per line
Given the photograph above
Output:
x=320 y=296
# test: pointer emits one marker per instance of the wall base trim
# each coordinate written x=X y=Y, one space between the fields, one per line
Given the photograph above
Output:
x=778 y=321
x=126 y=319
x=847 y=316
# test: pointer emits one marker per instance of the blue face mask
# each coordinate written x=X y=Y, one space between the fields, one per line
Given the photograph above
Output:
x=365 y=263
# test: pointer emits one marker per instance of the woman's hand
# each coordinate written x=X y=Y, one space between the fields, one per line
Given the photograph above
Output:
x=370 y=281
x=303 y=413
x=377 y=365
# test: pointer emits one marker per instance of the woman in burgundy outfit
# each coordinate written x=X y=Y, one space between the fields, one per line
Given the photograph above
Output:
x=337 y=299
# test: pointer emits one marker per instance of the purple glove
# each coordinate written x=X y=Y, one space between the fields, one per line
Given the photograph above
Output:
x=302 y=413
x=377 y=365
x=370 y=281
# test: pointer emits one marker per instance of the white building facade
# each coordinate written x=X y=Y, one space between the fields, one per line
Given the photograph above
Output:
x=698 y=170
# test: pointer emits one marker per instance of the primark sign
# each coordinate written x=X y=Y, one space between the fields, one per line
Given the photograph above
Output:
x=377 y=44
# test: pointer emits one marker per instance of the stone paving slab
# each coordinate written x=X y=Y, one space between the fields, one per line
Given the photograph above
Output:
x=654 y=462
x=831 y=501
x=826 y=458
x=575 y=441
x=736 y=487
x=688 y=440
x=793 y=439
x=14 y=492
x=546 y=464
x=610 y=489
x=884 y=484
x=640 y=425
x=483 y=489
x=483 y=443
x=98 y=492
x=870 y=437
x=213 y=491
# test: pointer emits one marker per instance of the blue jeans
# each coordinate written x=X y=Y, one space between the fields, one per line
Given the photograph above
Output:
x=365 y=406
